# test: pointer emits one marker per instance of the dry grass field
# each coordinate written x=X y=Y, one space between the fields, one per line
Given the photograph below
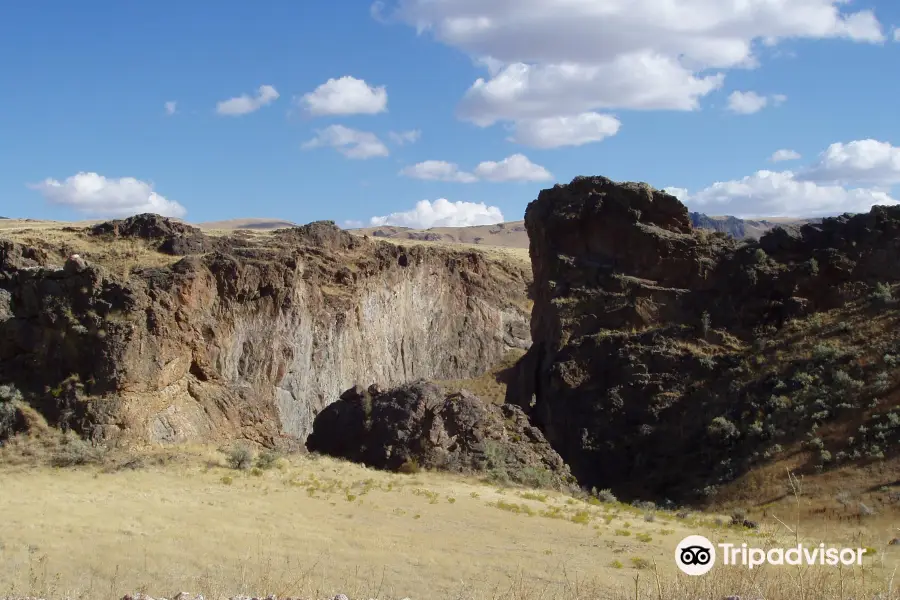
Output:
x=164 y=521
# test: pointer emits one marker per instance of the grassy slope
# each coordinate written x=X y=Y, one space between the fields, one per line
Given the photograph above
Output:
x=315 y=526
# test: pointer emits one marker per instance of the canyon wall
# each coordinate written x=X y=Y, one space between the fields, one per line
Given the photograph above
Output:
x=244 y=336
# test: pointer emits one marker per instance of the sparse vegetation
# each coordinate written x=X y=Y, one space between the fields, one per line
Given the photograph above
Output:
x=240 y=457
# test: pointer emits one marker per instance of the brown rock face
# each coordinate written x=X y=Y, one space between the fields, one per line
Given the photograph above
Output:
x=641 y=326
x=251 y=339
x=418 y=423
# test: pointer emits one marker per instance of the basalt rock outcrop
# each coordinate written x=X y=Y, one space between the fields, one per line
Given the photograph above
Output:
x=643 y=327
x=419 y=425
x=166 y=235
x=242 y=336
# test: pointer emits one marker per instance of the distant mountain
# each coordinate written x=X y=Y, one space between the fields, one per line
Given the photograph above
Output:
x=743 y=228
x=248 y=223
x=512 y=234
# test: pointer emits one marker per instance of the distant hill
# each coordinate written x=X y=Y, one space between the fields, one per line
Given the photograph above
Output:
x=742 y=228
x=512 y=234
x=248 y=223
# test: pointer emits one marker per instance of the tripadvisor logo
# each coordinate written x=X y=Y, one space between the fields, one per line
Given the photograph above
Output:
x=696 y=555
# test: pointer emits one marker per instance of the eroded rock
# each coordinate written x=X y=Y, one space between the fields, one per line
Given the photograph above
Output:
x=419 y=424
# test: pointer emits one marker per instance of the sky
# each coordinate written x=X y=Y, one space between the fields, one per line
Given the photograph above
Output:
x=427 y=113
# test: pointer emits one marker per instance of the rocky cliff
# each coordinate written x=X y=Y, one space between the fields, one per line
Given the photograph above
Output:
x=242 y=336
x=668 y=360
x=418 y=425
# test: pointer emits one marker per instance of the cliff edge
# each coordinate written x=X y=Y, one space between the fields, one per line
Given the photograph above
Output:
x=149 y=330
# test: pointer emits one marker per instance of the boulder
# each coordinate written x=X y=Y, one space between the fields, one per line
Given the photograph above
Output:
x=419 y=425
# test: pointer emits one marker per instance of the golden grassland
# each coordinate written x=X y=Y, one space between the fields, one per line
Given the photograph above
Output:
x=163 y=521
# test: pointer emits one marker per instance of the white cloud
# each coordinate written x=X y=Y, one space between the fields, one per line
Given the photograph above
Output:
x=352 y=224
x=513 y=168
x=345 y=96
x=349 y=142
x=442 y=213
x=401 y=138
x=553 y=132
x=896 y=34
x=561 y=58
x=781 y=194
x=784 y=154
x=680 y=193
x=857 y=162
x=522 y=91
x=95 y=195
x=171 y=106
x=747 y=103
x=438 y=170
x=244 y=104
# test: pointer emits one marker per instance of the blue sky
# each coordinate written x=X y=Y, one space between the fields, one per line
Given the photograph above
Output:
x=456 y=112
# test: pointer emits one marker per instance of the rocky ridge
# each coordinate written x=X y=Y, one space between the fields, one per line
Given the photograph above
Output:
x=239 y=337
x=646 y=373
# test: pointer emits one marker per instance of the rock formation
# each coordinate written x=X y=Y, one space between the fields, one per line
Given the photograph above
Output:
x=643 y=326
x=244 y=336
x=417 y=425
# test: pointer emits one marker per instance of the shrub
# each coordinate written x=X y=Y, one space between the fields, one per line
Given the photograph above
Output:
x=240 y=457
x=722 y=429
x=616 y=564
x=267 y=459
x=74 y=451
x=640 y=563
x=738 y=516
x=583 y=517
x=9 y=398
x=606 y=495
x=882 y=294
x=844 y=381
x=410 y=466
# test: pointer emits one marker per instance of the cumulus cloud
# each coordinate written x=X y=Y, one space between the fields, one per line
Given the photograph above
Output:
x=858 y=162
x=747 y=103
x=401 y=138
x=345 y=96
x=560 y=58
x=784 y=154
x=553 y=132
x=95 y=195
x=782 y=194
x=438 y=170
x=512 y=168
x=442 y=213
x=349 y=142
x=522 y=91
x=171 y=106
x=245 y=104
